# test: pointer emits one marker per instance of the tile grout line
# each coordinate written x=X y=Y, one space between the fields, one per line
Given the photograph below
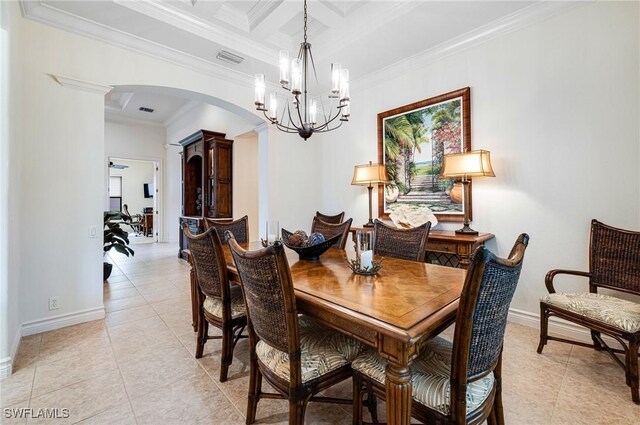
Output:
x=135 y=418
x=35 y=369
x=564 y=377
x=201 y=367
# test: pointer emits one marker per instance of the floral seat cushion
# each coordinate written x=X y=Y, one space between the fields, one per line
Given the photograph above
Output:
x=616 y=312
x=431 y=376
x=322 y=350
x=214 y=306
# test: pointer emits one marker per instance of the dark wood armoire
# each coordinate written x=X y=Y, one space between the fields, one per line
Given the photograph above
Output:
x=207 y=180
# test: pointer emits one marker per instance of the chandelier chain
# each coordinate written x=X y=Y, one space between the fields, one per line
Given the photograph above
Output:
x=305 y=21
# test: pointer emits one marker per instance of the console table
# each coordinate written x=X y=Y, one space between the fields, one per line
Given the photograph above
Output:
x=446 y=247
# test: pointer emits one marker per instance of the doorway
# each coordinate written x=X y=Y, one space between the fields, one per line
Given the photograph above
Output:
x=133 y=190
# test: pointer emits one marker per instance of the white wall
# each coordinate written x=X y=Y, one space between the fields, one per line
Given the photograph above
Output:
x=245 y=181
x=10 y=157
x=556 y=103
x=63 y=137
x=133 y=180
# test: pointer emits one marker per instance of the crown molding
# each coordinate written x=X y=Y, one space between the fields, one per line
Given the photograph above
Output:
x=74 y=83
x=180 y=112
x=523 y=18
x=48 y=15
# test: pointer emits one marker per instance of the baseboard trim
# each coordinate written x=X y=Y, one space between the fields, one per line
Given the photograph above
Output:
x=6 y=364
x=557 y=327
x=63 y=320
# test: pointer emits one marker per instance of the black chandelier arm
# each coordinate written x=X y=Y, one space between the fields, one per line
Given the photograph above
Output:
x=281 y=127
x=326 y=130
x=326 y=124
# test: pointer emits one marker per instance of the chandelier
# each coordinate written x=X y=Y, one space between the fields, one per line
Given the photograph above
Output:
x=301 y=111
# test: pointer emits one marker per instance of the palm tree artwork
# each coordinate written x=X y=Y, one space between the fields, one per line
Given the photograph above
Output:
x=415 y=143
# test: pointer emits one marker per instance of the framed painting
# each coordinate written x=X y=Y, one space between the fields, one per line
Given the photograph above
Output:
x=412 y=142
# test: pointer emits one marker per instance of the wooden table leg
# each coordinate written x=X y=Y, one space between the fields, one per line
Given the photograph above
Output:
x=398 y=389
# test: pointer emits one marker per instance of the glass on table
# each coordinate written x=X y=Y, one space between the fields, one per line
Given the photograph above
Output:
x=364 y=248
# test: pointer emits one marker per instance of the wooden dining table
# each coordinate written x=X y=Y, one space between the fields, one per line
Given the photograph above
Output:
x=396 y=311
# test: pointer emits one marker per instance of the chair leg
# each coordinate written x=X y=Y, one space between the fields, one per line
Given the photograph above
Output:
x=491 y=420
x=372 y=403
x=497 y=411
x=227 y=351
x=357 y=400
x=203 y=331
x=297 y=409
x=255 y=384
x=544 y=327
x=596 y=343
x=632 y=372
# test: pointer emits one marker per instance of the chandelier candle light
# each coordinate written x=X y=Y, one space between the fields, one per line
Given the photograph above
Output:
x=466 y=165
x=301 y=112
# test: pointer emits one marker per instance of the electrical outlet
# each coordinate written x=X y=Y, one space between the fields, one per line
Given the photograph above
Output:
x=54 y=303
x=93 y=232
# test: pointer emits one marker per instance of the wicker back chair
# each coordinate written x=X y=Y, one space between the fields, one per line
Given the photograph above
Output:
x=460 y=383
x=329 y=230
x=297 y=356
x=239 y=228
x=614 y=264
x=135 y=221
x=333 y=219
x=217 y=303
x=406 y=244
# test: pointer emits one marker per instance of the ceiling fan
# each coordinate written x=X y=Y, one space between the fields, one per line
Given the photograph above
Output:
x=117 y=166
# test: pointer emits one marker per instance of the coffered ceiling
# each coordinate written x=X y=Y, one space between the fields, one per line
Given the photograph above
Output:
x=362 y=35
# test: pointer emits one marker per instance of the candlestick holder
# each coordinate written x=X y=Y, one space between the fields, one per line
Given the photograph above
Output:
x=356 y=267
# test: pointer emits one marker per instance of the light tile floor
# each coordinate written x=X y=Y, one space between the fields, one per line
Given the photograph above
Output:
x=137 y=366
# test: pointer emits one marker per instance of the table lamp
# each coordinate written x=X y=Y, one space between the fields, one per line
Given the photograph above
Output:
x=463 y=166
x=368 y=175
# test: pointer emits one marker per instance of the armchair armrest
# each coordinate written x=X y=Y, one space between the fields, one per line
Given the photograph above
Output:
x=548 y=280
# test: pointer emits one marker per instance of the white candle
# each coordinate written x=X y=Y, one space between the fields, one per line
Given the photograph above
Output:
x=365 y=259
x=271 y=238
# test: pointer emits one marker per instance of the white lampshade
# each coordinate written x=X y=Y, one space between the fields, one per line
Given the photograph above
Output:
x=368 y=174
x=467 y=164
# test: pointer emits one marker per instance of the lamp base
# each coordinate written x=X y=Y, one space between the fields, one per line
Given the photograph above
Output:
x=466 y=230
x=368 y=223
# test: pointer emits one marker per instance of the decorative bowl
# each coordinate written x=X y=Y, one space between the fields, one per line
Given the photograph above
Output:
x=354 y=265
x=309 y=252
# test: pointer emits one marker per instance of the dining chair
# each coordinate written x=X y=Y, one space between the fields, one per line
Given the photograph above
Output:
x=333 y=219
x=614 y=264
x=135 y=221
x=296 y=355
x=406 y=244
x=329 y=230
x=239 y=228
x=459 y=383
x=217 y=302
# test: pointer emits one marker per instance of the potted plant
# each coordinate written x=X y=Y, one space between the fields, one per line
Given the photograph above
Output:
x=115 y=237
